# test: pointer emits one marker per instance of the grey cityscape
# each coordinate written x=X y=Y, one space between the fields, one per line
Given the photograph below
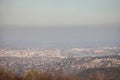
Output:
x=59 y=40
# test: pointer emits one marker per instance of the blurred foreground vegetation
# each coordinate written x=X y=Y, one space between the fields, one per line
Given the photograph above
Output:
x=90 y=74
x=32 y=75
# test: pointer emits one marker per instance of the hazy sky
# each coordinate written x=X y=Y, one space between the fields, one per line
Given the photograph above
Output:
x=59 y=12
x=19 y=18
x=32 y=37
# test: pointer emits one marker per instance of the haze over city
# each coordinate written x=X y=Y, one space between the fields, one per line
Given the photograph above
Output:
x=59 y=23
x=59 y=39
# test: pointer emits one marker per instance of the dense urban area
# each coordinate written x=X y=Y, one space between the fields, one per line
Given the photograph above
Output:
x=69 y=61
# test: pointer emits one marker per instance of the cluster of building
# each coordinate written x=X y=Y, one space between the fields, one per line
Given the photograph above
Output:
x=58 y=60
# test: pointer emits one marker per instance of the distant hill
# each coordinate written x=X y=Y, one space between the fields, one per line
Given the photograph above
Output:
x=101 y=74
